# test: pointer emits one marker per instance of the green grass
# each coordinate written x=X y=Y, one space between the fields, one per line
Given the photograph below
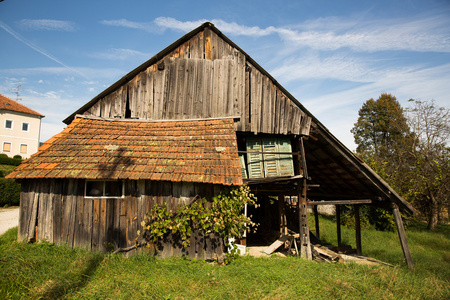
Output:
x=430 y=250
x=45 y=271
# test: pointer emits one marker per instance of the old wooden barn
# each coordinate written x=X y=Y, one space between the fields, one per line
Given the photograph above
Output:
x=198 y=116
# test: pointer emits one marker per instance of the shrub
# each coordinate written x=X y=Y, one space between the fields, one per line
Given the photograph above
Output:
x=5 y=160
x=9 y=192
x=370 y=216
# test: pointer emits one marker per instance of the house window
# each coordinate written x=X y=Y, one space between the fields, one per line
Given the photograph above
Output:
x=25 y=126
x=269 y=156
x=23 y=148
x=104 y=189
x=6 y=147
x=8 y=124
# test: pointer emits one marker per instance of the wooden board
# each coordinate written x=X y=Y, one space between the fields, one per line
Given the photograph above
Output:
x=277 y=244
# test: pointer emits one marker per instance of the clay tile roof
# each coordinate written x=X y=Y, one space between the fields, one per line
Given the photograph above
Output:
x=194 y=151
x=11 y=105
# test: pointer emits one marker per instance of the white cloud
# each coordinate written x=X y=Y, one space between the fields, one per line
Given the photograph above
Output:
x=232 y=28
x=45 y=24
x=425 y=34
x=120 y=54
x=147 y=26
x=341 y=67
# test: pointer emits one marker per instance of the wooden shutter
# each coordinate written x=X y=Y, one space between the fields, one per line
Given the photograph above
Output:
x=254 y=158
x=285 y=161
x=270 y=160
x=243 y=166
x=269 y=165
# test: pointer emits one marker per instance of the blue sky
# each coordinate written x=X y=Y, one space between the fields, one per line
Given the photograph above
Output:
x=331 y=55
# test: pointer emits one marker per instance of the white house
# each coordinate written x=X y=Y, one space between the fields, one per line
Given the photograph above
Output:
x=20 y=128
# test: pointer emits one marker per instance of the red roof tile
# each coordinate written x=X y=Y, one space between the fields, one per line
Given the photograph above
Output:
x=194 y=151
x=11 y=105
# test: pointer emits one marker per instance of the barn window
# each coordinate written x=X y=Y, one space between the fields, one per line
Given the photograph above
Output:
x=269 y=156
x=104 y=189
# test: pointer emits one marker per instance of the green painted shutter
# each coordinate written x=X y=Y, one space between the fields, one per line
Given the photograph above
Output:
x=285 y=161
x=270 y=160
x=254 y=160
x=243 y=167
x=269 y=165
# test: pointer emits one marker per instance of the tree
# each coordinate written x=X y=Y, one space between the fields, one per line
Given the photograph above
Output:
x=382 y=135
x=430 y=125
x=409 y=149
x=381 y=127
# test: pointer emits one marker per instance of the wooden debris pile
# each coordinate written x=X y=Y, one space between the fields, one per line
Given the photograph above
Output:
x=320 y=251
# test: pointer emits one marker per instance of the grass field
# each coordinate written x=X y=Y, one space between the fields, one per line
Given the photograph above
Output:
x=45 y=271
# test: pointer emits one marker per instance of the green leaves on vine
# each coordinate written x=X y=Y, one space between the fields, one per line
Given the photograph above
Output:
x=224 y=216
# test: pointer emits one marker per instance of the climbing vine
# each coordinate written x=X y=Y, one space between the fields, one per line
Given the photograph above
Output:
x=224 y=216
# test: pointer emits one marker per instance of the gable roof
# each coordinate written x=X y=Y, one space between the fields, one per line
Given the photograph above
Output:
x=335 y=170
x=11 y=105
x=169 y=49
x=189 y=151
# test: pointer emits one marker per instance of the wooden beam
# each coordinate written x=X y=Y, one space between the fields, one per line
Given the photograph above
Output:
x=358 y=231
x=282 y=214
x=262 y=152
x=303 y=159
x=316 y=221
x=305 y=244
x=402 y=236
x=340 y=202
x=271 y=179
x=338 y=225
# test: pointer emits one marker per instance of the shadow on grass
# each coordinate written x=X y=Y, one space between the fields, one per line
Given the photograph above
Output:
x=72 y=281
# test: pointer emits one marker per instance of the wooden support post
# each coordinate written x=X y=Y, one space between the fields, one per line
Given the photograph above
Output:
x=402 y=236
x=305 y=244
x=282 y=214
x=338 y=225
x=316 y=221
x=358 y=231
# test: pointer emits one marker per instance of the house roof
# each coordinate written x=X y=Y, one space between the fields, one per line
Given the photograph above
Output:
x=189 y=151
x=11 y=105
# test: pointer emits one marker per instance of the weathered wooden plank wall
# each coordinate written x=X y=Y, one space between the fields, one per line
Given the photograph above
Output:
x=59 y=213
x=205 y=78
